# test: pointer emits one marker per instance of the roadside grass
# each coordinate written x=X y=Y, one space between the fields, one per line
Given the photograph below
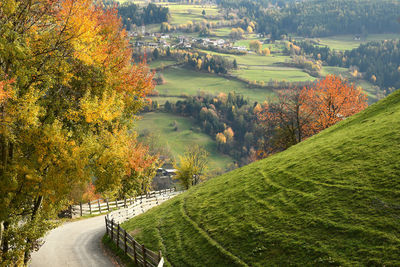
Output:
x=187 y=134
x=183 y=81
x=331 y=200
x=347 y=42
x=118 y=252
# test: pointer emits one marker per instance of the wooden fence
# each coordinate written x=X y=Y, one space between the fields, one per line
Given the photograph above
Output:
x=99 y=206
x=138 y=252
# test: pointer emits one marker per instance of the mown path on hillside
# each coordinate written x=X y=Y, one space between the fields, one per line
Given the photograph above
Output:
x=74 y=244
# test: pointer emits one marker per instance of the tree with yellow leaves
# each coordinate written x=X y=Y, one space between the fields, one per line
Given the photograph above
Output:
x=192 y=166
x=68 y=90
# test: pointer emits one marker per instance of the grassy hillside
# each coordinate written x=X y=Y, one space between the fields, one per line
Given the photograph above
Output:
x=333 y=199
x=187 y=134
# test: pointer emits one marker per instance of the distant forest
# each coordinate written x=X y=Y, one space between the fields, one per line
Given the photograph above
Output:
x=134 y=14
x=378 y=61
x=319 y=17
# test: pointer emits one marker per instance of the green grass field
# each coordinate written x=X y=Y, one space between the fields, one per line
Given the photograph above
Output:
x=162 y=99
x=180 y=81
x=258 y=68
x=347 y=42
x=161 y=63
x=181 y=14
x=266 y=74
x=188 y=134
x=332 y=200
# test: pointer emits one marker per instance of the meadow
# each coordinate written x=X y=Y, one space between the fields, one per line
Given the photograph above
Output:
x=347 y=42
x=187 y=134
x=183 y=81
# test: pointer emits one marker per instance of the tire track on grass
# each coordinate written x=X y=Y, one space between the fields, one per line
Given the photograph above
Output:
x=211 y=241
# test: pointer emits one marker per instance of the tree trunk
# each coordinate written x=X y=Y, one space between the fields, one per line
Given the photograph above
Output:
x=5 y=240
x=28 y=248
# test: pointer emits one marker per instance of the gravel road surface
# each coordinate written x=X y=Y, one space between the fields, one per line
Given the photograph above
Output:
x=74 y=244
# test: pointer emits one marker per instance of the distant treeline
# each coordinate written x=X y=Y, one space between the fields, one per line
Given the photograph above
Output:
x=134 y=14
x=320 y=17
x=379 y=62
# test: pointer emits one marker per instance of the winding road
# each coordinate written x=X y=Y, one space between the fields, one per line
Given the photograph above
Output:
x=74 y=244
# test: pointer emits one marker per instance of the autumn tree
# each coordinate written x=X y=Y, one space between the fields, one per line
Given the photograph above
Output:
x=255 y=46
x=236 y=33
x=299 y=113
x=68 y=90
x=285 y=119
x=266 y=51
x=192 y=166
x=331 y=100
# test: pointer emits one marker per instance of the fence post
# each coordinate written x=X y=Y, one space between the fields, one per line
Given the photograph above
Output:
x=90 y=208
x=124 y=202
x=98 y=202
x=125 y=245
x=108 y=206
x=144 y=256
x=105 y=217
x=112 y=229
x=116 y=203
x=80 y=204
x=118 y=236
x=130 y=200
x=159 y=256
x=134 y=251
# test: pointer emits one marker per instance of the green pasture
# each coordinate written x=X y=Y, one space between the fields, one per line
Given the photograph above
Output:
x=347 y=42
x=183 y=81
x=181 y=13
x=162 y=99
x=187 y=134
x=267 y=74
x=161 y=63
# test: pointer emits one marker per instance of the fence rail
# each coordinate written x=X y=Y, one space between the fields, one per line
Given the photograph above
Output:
x=100 y=206
x=141 y=255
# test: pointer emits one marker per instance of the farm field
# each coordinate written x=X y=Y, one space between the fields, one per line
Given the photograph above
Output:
x=325 y=201
x=162 y=99
x=181 y=14
x=161 y=63
x=181 y=81
x=267 y=73
x=347 y=42
x=258 y=68
x=188 y=134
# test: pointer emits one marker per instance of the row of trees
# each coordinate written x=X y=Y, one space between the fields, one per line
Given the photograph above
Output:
x=68 y=90
x=132 y=14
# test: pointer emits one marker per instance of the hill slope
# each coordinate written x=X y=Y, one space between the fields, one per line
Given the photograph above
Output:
x=333 y=199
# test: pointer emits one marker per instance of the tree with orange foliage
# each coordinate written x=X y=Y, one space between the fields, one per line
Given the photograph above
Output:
x=142 y=167
x=301 y=113
x=332 y=100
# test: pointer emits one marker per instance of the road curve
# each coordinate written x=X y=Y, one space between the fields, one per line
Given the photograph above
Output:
x=74 y=244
